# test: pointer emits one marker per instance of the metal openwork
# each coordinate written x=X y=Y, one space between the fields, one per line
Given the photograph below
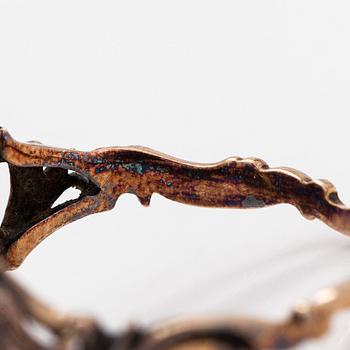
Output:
x=40 y=174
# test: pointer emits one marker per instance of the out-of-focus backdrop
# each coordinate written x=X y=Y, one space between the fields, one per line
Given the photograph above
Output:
x=200 y=80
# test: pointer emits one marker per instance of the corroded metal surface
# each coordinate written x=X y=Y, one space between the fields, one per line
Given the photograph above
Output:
x=40 y=174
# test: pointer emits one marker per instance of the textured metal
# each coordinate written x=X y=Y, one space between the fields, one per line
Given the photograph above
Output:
x=40 y=174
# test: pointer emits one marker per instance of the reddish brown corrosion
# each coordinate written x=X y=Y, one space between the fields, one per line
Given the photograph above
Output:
x=40 y=174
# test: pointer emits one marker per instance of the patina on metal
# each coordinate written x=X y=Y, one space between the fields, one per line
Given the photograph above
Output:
x=39 y=174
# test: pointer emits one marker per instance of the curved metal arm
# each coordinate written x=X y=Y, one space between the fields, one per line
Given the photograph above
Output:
x=40 y=174
x=308 y=320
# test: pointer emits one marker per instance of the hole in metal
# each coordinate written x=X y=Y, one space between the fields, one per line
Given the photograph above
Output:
x=4 y=188
x=68 y=195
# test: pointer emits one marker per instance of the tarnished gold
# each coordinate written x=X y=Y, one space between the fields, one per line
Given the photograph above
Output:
x=40 y=174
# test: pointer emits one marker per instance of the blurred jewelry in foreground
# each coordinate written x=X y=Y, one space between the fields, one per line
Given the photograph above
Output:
x=40 y=174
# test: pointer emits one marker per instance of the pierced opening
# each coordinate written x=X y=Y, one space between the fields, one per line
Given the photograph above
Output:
x=4 y=195
x=4 y=188
x=70 y=194
x=36 y=194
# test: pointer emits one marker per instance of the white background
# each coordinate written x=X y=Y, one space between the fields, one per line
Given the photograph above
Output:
x=200 y=80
